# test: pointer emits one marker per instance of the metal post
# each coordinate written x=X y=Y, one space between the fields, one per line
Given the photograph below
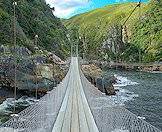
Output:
x=78 y=46
x=139 y=5
x=77 y=50
x=115 y=52
x=103 y=86
x=15 y=59
x=53 y=74
x=84 y=47
x=116 y=60
x=36 y=90
x=68 y=37
x=72 y=49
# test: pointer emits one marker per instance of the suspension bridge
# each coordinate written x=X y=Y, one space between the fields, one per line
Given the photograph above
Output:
x=75 y=105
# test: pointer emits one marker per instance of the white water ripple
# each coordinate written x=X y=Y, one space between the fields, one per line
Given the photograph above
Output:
x=123 y=95
x=24 y=101
x=123 y=81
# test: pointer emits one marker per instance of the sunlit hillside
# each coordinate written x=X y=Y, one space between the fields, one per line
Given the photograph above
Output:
x=144 y=29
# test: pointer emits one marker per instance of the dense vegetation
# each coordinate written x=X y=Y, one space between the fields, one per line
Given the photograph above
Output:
x=102 y=33
x=33 y=17
x=104 y=36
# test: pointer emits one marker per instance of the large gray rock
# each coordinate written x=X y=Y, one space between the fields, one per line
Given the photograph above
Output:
x=105 y=85
x=27 y=65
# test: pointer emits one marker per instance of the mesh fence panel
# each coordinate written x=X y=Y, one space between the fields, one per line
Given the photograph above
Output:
x=40 y=116
x=111 y=117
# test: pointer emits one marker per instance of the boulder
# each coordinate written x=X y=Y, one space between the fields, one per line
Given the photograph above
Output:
x=93 y=74
x=48 y=75
x=91 y=70
x=105 y=85
x=108 y=85
x=99 y=84
x=55 y=59
x=160 y=68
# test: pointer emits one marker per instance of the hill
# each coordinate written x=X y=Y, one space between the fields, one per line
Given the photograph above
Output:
x=33 y=17
x=103 y=35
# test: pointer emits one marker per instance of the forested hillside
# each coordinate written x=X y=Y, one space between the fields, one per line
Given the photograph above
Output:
x=105 y=36
x=34 y=17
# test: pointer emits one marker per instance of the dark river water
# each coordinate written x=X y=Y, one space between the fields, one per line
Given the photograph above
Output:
x=141 y=93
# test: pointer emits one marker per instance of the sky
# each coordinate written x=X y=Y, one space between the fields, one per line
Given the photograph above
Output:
x=68 y=8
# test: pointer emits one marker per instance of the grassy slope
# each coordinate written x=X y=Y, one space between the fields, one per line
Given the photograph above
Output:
x=101 y=19
x=96 y=23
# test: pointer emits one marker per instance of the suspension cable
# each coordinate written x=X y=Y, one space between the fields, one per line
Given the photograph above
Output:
x=138 y=5
x=139 y=44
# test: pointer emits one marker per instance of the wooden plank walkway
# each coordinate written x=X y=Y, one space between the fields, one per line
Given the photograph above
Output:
x=75 y=114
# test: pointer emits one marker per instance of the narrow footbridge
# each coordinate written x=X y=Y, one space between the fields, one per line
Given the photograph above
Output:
x=76 y=106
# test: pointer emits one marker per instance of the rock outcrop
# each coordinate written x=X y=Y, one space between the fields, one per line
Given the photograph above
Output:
x=105 y=85
x=94 y=75
x=91 y=70
x=32 y=71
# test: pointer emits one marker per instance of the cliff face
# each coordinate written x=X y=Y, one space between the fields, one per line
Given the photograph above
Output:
x=105 y=36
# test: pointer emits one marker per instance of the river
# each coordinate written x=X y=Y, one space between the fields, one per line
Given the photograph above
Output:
x=141 y=93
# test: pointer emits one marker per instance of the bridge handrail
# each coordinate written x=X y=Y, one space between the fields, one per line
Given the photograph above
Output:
x=115 y=109
x=31 y=118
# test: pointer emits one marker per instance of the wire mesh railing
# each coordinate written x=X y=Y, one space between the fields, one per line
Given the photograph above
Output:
x=112 y=117
x=40 y=116
x=109 y=116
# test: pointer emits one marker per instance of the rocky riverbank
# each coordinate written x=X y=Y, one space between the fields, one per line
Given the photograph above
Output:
x=42 y=70
x=146 y=67
x=95 y=76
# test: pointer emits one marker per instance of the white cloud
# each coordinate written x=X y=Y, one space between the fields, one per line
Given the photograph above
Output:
x=64 y=8
x=63 y=12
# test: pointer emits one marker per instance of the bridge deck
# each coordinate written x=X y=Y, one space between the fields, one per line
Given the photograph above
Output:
x=75 y=114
